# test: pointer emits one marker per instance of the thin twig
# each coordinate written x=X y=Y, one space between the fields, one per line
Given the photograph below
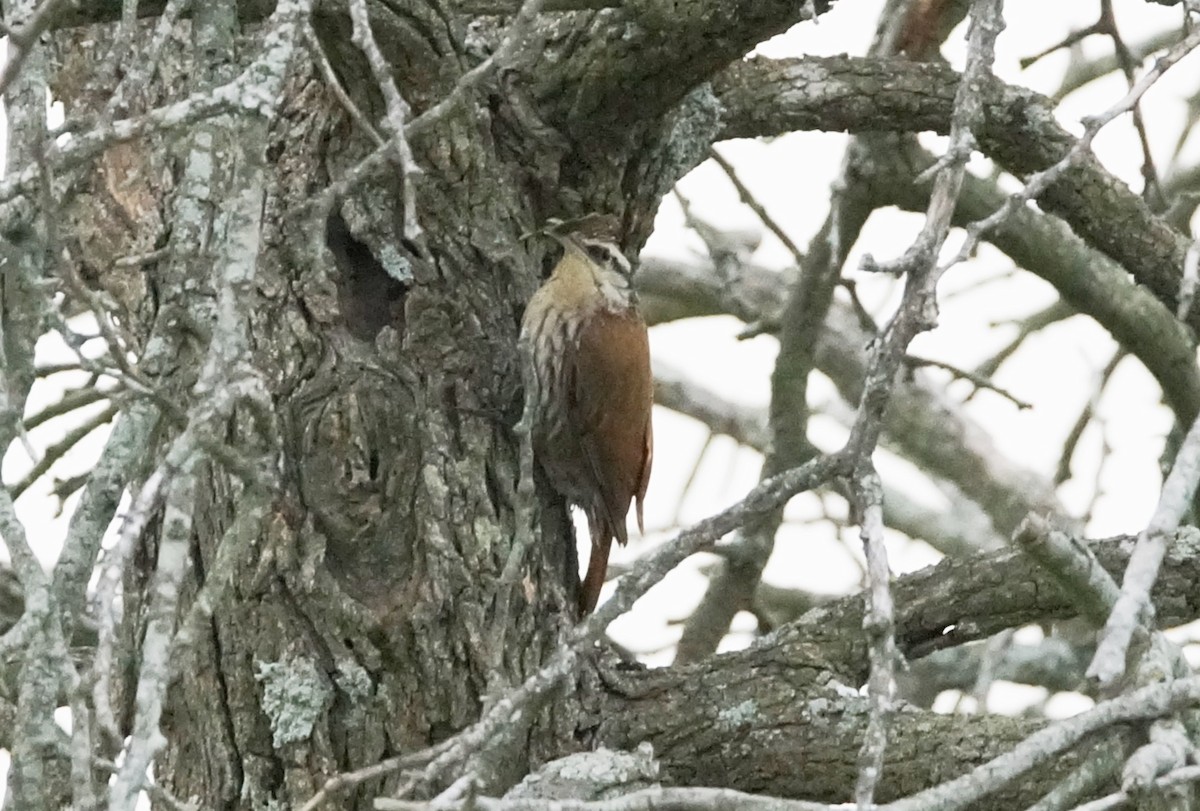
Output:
x=677 y=518
x=758 y=208
x=1063 y=471
x=146 y=738
x=768 y=495
x=335 y=85
x=879 y=623
x=1038 y=182
x=71 y=401
x=61 y=448
x=1151 y=191
x=418 y=126
x=1108 y=664
x=977 y=380
x=398 y=112
x=917 y=312
x=48 y=369
x=1071 y=39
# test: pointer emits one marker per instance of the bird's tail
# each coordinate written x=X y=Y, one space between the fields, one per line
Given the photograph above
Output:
x=593 y=581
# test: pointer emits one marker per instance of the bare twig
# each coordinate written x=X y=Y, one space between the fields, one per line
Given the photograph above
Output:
x=48 y=369
x=977 y=380
x=1071 y=39
x=880 y=625
x=1063 y=471
x=758 y=208
x=677 y=518
x=398 y=112
x=953 y=795
x=1038 y=182
x=61 y=448
x=917 y=312
x=71 y=401
x=335 y=85
x=1081 y=71
x=768 y=495
x=1127 y=62
x=108 y=606
x=146 y=738
x=1152 y=191
x=1027 y=326
x=368 y=166
x=1108 y=664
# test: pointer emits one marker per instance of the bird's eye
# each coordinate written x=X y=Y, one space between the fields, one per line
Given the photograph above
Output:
x=599 y=253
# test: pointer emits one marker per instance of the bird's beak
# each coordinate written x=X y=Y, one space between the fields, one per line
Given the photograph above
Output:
x=551 y=228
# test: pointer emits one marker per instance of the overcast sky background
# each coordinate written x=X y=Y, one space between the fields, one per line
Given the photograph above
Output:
x=1055 y=371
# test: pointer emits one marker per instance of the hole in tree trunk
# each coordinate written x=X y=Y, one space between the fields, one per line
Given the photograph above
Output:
x=369 y=299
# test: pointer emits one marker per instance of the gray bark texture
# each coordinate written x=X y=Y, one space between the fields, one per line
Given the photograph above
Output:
x=332 y=396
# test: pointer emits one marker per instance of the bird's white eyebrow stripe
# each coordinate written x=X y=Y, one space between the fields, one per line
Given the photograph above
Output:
x=612 y=251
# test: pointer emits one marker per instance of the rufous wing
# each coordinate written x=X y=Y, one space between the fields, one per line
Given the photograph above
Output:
x=610 y=409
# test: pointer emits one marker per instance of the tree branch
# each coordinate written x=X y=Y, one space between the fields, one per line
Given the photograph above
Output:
x=924 y=425
x=634 y=63
x=962 y=529
x=1019 y=131
x=780 y=697
x=1088 y=282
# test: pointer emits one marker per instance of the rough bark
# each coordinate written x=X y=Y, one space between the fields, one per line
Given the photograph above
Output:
x=360 y=625
x=366 y=614
x=784 y=716
x=1019 y=132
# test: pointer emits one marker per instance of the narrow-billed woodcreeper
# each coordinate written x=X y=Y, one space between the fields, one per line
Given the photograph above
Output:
x=591 y=387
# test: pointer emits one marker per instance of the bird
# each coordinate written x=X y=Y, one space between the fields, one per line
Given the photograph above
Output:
x=589 y=386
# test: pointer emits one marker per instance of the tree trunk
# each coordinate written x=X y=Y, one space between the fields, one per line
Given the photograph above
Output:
x=368 y=616
x=366 y=576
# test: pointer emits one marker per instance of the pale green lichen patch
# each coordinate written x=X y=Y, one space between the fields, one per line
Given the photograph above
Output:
x=353 y=680
x=295 y=694
x=739 y=714
x=598 y=775
x=396 y=264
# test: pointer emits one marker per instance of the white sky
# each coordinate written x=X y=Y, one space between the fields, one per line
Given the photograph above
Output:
x=1055 y=371
x=791 y=175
